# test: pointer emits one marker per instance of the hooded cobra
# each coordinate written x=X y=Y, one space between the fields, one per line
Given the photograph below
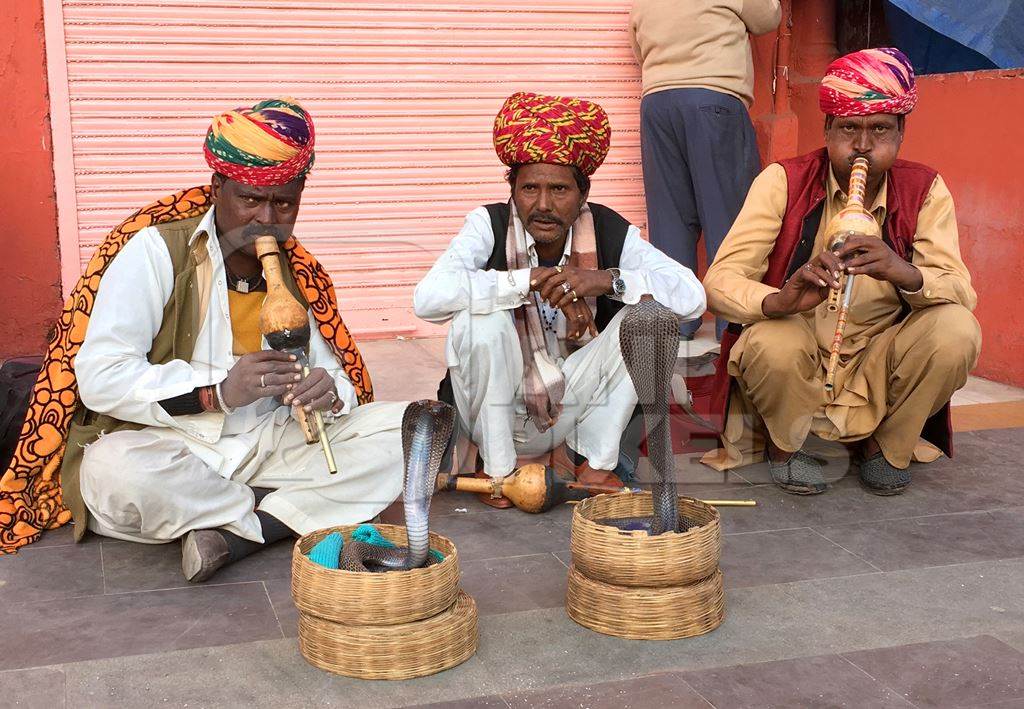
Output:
x=426 y=432
x=649 y=340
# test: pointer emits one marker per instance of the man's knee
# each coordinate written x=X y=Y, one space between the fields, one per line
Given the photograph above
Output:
x=473 y=333
x=949 y=335
x=785 y=344
x=115 y=465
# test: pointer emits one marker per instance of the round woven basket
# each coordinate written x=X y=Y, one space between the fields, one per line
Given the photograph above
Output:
x=623 y=558
x=417 y=649
x=360 y=598
x=665 y=613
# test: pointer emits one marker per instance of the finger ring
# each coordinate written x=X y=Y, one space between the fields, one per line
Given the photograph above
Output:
x=558 y=269
x=263 y=381
x=566 y=287
x=575 y=297
x=807 y=266
x=334 y=397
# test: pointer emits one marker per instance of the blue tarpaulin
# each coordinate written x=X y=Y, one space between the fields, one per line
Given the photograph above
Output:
x=958 y=35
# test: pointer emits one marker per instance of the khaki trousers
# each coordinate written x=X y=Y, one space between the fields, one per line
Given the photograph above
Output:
x=888 y=390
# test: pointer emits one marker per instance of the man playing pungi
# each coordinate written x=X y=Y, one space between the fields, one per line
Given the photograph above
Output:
x=911 y=338
x=533 y=288
x=185 y=426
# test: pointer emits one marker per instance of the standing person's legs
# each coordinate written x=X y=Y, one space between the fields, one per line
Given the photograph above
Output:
x=672 y=220
x=721 y=149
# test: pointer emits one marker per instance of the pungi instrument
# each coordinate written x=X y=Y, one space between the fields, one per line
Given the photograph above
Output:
x=285 y=325
x=852 y=220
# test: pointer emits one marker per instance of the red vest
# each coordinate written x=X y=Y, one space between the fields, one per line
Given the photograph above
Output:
x=908 y=185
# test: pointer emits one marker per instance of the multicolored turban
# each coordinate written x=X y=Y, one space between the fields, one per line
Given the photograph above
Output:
x=268 y=144
x=869 y=81
x=561 y=131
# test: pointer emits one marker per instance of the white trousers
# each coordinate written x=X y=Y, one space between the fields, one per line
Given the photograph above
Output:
x=150 y=486
x=486 y=365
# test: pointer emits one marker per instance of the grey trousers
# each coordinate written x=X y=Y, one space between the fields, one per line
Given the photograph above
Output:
x=699 y=157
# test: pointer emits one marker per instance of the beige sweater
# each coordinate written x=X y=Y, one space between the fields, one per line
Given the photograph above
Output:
x=699 y=43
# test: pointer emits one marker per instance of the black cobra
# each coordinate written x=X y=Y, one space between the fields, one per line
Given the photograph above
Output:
x=649 y=340
x=427 y=428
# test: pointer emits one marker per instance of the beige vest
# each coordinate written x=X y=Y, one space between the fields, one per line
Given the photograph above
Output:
x=182 y=320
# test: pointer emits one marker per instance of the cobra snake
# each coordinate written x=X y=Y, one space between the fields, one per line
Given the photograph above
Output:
x=427 y=427
x=649 y=341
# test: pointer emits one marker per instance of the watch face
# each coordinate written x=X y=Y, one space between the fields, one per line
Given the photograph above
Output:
x=619 y=286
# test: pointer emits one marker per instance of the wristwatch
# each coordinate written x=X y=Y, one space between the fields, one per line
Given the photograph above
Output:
x=618 y=285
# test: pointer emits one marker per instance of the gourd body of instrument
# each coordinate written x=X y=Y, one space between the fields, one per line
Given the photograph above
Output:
x=285 y=325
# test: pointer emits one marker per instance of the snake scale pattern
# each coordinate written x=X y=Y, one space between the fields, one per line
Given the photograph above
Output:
x=649 y=341
x=427 y=428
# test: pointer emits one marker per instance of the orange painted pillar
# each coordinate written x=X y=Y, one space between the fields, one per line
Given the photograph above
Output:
x=30 y=287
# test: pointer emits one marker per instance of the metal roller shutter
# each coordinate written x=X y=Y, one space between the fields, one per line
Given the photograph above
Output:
x=403 y=95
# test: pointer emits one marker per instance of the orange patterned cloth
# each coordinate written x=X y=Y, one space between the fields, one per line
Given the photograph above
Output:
x=552 y=129
x=30 y=495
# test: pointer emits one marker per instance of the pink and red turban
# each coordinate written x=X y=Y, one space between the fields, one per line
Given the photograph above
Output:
x=552 y=129
x=869 y=81
x=268 y=144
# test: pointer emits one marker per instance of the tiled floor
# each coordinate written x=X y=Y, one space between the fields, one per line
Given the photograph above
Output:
x=844 y=600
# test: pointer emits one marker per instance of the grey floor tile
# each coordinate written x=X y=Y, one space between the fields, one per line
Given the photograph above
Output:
x=515 y=584
x=934 y=541
x=51 y=573
x=759 y=558
x=60 y=537
x=954 y=673
x=280 y=593
x=656 y=690
x=825 y=681
x=500 y=533
x=37 y=688
x=128 y=566
x=256 y=674
x=42 y=633
x=472 y=703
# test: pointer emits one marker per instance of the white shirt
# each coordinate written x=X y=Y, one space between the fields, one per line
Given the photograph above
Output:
x=457 y=281
x=116 y=378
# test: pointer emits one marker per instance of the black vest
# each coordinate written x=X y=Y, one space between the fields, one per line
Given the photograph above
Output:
x=610 y=234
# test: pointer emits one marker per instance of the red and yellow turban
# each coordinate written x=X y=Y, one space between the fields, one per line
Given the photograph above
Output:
x=551 y=129
x=869 y=81
x=268 y=144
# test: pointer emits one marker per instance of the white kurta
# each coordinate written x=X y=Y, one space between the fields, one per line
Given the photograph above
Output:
x=206 y=460
x=485 y=360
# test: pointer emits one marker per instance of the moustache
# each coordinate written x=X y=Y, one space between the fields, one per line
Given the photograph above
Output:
x=545 y=219
x=251 y=231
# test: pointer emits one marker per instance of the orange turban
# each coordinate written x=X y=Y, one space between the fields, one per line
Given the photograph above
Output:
x=552 y=129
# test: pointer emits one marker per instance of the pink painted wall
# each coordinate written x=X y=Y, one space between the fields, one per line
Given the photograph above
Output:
x=30 y=272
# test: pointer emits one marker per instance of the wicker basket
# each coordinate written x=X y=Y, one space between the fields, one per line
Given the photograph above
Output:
x=417 y=649
x=624 y=558
x=665 y=613
x=360 y=598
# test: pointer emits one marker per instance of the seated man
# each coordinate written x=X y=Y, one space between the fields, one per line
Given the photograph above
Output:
x=910 y=340
x=533 y=288
x=187 y=419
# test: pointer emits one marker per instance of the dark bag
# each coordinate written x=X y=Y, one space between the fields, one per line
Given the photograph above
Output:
x=17 y=377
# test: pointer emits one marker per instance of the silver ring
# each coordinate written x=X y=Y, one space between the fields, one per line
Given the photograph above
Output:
x=566 y=287
x=263 y=382
x=558 y=269
x=334 y=397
